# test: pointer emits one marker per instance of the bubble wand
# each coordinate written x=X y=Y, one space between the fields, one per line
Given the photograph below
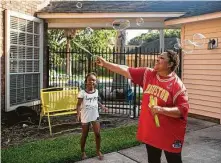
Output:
x=156 y=119
x=81 y=47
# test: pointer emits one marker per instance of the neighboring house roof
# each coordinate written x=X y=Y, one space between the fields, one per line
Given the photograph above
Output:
x=190 y=8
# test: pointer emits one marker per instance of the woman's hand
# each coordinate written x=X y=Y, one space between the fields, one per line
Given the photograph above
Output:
x=156 y=109
x=100 y=61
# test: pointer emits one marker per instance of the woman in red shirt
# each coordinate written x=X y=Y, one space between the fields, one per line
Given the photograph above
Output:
x=163 y=117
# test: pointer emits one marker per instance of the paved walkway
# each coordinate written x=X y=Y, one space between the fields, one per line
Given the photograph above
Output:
x=202 y=145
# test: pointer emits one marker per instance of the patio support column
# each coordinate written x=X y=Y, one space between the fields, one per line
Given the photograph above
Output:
x=69 y=33
x=68 y=62
x=118 y=80
x=161 y=40
x=120 y=44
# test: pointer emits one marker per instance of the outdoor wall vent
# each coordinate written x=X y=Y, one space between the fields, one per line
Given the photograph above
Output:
x=213 y=43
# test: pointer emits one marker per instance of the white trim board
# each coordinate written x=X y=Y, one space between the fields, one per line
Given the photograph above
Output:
x=110 y=15
x=133 y=25
x=8 y=15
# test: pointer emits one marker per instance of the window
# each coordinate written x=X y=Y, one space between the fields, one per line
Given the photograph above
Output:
x=24 y=67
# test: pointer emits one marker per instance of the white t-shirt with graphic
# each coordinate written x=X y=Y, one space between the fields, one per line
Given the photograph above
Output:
x=89 y=110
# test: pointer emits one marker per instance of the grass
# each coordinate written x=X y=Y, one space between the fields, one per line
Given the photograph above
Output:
x=66 y=149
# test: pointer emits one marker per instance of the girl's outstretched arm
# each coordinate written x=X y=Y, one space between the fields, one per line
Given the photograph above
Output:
x=102 y=106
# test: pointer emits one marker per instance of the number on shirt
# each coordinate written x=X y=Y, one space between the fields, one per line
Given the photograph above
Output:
x=152 y=101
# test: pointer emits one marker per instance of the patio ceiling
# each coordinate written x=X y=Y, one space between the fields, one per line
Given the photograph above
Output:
x=101 y=14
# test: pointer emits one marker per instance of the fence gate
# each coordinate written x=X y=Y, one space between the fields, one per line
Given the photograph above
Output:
x=120 y=95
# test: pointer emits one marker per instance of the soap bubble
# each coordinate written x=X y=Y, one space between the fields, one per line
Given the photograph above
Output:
x=199 y=40
x=178 y=40
x=143 y=1
x=139 y=21
x=89 y=31
x=177 y=46
x=111 y=41
x=79 y=5
x=187 y=46
x=121 y=24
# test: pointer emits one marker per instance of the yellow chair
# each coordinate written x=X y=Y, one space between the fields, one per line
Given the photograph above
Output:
x=57 y=102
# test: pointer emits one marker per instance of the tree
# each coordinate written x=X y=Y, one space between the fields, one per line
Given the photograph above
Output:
x=56 y=42
x=97 y=39
x=56 y=39
x=92 y=40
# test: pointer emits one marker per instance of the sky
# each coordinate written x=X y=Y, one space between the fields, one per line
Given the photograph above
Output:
x=133 y=33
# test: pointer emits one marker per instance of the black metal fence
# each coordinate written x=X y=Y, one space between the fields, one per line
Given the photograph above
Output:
x=69 y=68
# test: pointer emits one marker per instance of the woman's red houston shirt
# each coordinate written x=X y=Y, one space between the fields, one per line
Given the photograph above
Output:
x=168 y=92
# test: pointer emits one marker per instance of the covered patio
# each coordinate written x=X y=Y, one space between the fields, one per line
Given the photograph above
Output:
x=102 y=15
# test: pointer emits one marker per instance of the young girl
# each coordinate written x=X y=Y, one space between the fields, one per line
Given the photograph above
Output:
x=87 y=112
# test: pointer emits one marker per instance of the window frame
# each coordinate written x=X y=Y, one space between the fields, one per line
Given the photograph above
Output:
x=8 y=15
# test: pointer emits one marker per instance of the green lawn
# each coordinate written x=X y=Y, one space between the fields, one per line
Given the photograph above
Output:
x=67 y=148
